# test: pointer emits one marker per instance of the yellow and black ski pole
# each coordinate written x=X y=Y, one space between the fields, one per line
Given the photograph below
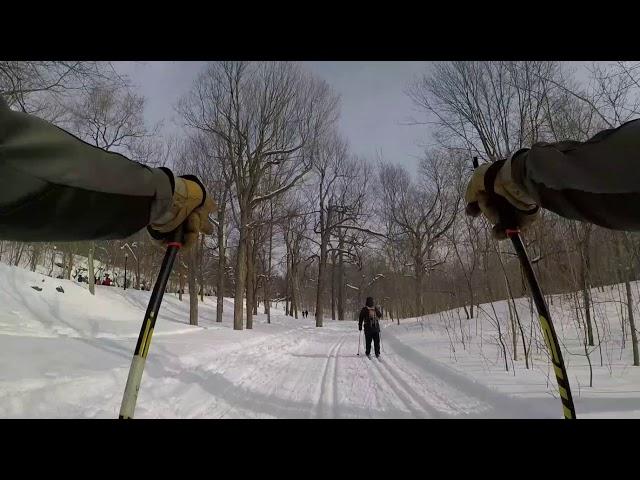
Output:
x=144 y=339
x=509 y=224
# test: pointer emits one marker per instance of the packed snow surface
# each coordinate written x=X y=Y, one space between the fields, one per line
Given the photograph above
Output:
x=67 y=355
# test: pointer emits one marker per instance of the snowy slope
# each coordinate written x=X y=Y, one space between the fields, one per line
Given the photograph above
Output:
x=616 y=383
x=66 y=355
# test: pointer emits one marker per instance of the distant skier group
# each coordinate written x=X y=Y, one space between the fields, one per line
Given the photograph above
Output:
x=305 y=314
x=85 y=279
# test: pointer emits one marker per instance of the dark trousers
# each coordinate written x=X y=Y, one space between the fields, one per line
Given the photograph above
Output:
x=375 y=336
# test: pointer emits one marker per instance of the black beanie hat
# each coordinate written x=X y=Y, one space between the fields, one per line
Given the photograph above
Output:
x=369 y=302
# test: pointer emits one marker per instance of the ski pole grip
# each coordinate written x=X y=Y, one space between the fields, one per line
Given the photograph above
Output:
x=506 y=212
x=176 y=237
x=473 y=209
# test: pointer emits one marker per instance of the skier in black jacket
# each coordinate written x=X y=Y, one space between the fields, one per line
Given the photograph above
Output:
x=370 y=317
x=55 y=187
x=596 y=181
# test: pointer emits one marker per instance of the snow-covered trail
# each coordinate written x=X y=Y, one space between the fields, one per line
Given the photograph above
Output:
x=294 y=371
x=67 y=355
x=306 y=372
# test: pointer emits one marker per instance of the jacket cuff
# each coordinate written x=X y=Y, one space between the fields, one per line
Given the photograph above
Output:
x=511 y=175
x=165 y=185
x=516 y=163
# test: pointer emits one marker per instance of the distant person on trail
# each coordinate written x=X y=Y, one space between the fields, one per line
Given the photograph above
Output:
x=56 y=187
x=370 y=316
x=597 y=181
x=107 y=280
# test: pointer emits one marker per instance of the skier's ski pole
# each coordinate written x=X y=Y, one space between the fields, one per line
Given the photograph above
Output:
x=359 y=339
x=551 y=339
x=144 y=339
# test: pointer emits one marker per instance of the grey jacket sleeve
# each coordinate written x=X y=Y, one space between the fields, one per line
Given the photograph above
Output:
x=55 y=187
x=596 y=181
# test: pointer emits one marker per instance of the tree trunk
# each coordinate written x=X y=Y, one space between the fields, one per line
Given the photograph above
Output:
x=512 y=308
x=222 y=263
x=267 y=281
x=53 y=261
x=295 y=298
x=201 y=267
x=69 y=264
x=341 y=279
x=514 y=336
x=18 y=257
x=333 y=286
x=92 y=281
x=586 y=297
x=193 y=287
x=321 y=280
x=254 y=276
x=286 y=283
x=419 y=273
x=138 y=271
x=35 y=254
x=632 y=324
x=250 y=278
x=241 y=273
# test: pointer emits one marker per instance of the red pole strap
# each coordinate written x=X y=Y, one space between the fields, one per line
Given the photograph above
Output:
x=174 y=244
x=510 y=231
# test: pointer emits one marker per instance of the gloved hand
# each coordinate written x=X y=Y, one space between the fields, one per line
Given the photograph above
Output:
x=191 y=208
x=506 y=204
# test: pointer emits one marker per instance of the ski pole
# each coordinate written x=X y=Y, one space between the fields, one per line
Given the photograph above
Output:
x=507 y=219
x=380 y=337
x=144 y=339
x=359 y=340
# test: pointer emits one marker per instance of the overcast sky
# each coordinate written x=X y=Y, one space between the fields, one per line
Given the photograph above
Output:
x=373 y=103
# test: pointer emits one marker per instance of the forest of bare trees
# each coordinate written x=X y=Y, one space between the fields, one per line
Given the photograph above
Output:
x=304 y=222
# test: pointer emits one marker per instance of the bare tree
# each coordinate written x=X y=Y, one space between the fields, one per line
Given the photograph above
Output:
x=341 y=188
x=43 y=87
x=487 y=109
x=269 y=115
x=420 y=213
